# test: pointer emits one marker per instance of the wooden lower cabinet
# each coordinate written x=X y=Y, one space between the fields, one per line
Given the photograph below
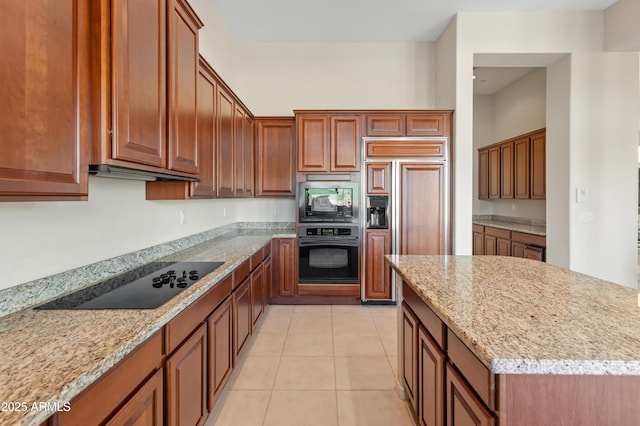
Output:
x=431 y=363
x=490 y=245
x=145 y=407
x=219 y=349
x=409 y=341
x=242 y=318
x=463 y=407
x=285 y=273
x=377 y=284
x=478 y=239
x=268 y=278
x=186 y=369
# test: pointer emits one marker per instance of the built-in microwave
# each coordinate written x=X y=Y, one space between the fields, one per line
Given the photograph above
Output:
x=328 y=202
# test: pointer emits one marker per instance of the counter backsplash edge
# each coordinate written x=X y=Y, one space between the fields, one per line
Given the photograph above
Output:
x=38 y=291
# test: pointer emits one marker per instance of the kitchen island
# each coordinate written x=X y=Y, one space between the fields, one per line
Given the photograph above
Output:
x=509 y=341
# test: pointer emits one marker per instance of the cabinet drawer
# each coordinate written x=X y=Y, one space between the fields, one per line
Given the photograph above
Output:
x=183 y=325
x=259 y=256
x=479 y=377
x=406 y=149
x=427 y=317
x=496 y=232
x=528 y=239
x=477 y=228
x=241 y=272
x=115 y=386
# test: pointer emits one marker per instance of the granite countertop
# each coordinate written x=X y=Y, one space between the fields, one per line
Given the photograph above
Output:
x=527 y=228
x=52 y=356
x=520 y=316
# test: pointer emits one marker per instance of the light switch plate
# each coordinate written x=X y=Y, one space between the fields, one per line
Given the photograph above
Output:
x=585 y=216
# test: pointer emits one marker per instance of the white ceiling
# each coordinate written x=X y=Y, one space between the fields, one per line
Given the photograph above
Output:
x=365 y=20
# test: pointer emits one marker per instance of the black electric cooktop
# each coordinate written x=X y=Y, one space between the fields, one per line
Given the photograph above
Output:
x=146 y=287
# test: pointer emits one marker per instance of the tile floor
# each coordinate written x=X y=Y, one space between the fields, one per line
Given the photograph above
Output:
x=316 y=365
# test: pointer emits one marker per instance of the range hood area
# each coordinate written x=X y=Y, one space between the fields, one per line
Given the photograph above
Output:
x=116 y=172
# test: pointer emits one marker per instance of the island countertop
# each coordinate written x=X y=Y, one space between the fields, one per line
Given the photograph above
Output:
x=520 y=316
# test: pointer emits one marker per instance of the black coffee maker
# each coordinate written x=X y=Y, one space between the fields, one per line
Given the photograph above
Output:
x=377 y=212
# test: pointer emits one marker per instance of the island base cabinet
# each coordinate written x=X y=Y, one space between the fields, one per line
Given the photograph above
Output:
x=220 y=349
x=463 y=407
x=186 y=381
x=409 y=341
x=145 y=407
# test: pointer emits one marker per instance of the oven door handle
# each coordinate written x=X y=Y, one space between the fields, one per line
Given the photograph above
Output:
x=346 y=242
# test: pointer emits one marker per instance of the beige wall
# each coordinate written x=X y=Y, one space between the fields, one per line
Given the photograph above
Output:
x=275 y=79
x=622 y=30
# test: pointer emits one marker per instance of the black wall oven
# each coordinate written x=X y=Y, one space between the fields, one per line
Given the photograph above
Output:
x=328 y=201
x=328 y=254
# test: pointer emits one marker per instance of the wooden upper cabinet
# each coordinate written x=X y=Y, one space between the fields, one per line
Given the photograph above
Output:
x=225 y=146
x=206 y=135
x=428 y=124
x=44 y=112
x=538 y=165
x=183 y=81
x=506 y=170
x=483 y=174
x=494 y=172
x=239 y=150
x=138 y=54
x=313 y=142
x=275 y=157
x=386 y=125
x=346 y=133
x=378 y=178
x=521 y=168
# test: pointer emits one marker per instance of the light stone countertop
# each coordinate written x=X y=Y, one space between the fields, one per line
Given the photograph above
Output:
x=53 y=355
x=521 y=316
x=513 y=226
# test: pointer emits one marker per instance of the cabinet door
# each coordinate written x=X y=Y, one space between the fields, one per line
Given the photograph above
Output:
x=538 y=168
x=206 y=188
x=346 y=133
x=422 y=192
x=248 y=156
x=268 y=278
x=506 y=170
x=239 y=151
x=139 y=81
x=521 y=168
x=145 y=407
x=385 y=125
x=517 y=249
x=378 y=178
x=478 y=243
x=183 y=81
x=431 y=363
x=187 y=381
x=44 y=112
x=225 y=157
x=219 y=349
x=490 y=245
x=377 y=283
x=483 y=174
x=275 y=158
x=257 y=293
x=313 y=142
x=285 y=274
x=409 y=342
x=494 y=172
x=503 y=247
x=242 y=318
x=430 y=124
x=463 y=407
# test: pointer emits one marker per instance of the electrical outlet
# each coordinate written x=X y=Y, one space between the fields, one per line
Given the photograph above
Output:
x=582 y=195
x=224 y=211
x=183 y=217
x=276 y=210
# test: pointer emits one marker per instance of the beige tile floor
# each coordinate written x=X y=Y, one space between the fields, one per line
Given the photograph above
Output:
x=316 y=365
